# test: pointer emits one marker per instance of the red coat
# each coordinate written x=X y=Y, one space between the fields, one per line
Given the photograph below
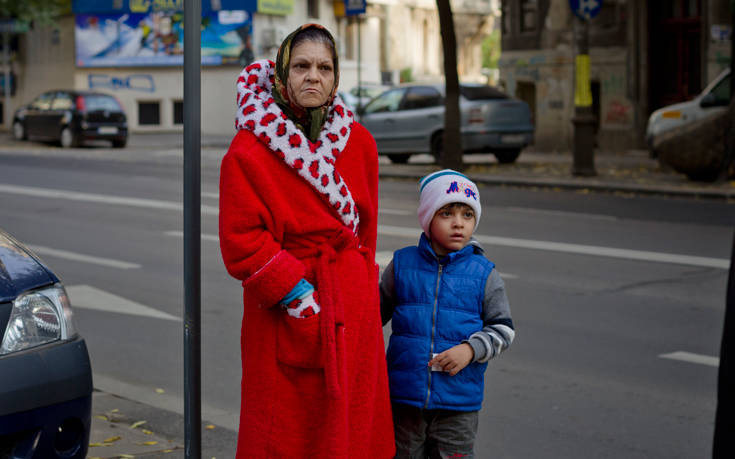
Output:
x=313 y=387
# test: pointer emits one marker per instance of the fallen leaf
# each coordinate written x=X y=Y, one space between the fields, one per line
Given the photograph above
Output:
x=93 y=445
x=135 y=425
x=168 y=451
x=114 y=410
x=126 y=456
x=146 y=431
x=104 y=418
x=159 y=390
x=148 y=443
x=112 y=439
x=210 y=427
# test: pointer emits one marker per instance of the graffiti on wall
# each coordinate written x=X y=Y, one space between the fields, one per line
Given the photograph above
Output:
x=137 y=82
x=618 y=112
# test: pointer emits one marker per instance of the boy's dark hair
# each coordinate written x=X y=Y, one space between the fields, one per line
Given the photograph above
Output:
x=454 y=205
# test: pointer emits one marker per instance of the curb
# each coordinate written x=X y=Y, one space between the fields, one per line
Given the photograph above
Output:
x=581 y=184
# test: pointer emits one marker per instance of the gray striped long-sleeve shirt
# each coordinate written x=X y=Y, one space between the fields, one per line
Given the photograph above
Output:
x=497 y=332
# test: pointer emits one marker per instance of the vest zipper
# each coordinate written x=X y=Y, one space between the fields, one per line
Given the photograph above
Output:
x=433 y=330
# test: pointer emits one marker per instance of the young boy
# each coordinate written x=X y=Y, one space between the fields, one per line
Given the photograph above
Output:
x=450 y=317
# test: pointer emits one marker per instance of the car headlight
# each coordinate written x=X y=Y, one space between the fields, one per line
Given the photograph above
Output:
x=38 y=317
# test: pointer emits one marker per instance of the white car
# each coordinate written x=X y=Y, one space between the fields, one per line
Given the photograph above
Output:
x=714 y=99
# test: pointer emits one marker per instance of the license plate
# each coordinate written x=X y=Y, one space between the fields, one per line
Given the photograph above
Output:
x=512 y=138
x=107 y=130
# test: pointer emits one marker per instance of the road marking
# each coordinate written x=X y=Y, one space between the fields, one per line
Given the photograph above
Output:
x=210 y=195
x=47 y=251
x=384 y=257
x=205 y=237
x=86 y=297
x=642 y=255
x=395 y=211
x=692 y=358
x=559 y=213
x=101 y=199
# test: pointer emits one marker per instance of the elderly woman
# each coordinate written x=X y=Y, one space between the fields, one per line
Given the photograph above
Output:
x=298 y=227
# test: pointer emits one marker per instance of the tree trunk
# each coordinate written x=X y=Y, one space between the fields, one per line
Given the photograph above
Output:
x=450 y=155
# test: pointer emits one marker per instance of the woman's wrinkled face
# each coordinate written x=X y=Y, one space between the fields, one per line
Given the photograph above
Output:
x=310 y=74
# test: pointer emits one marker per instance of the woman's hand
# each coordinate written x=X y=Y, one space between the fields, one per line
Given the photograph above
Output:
x=454 y=359
x=302 y=308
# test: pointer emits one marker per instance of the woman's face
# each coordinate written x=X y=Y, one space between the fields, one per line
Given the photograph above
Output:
x=310 y=74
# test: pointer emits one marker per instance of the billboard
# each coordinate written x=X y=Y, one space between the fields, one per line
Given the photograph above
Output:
x=156 y=38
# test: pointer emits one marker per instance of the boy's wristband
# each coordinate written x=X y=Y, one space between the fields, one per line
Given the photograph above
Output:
x=301 y=290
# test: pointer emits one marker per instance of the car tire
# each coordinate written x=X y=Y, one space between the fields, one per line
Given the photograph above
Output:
x=399 y=158
x=507 y=156
x=19 y=131
x=68 y=139
x=437 y=146
x=119 y=143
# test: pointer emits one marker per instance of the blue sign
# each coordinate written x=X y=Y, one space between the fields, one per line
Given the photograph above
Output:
x=353 y=7
x=151 y=6
x=585 y=9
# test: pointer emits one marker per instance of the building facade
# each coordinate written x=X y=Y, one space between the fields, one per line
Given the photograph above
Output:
x=643 y=55
x=133 y=49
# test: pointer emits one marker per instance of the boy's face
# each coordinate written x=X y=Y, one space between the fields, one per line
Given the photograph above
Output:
x=451 y=228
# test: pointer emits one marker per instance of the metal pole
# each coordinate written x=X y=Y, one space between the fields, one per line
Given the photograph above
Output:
x=584 y=120
x=192 y=230
x=6 y=86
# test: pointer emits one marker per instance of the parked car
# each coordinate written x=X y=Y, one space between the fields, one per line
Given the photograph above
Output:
x=713 y=99
x=45 y=373
x=349 y=100
x=72 y=117
x=363 y=94
x=409 y=119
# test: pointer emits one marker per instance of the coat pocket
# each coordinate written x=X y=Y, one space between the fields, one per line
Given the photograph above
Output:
x=299 y=342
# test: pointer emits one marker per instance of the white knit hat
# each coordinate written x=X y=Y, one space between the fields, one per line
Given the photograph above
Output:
x=442 y=188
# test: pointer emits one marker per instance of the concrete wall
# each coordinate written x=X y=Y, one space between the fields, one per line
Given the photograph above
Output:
x=44 y=61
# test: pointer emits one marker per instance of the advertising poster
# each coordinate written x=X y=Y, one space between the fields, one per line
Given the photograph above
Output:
x=157 y=39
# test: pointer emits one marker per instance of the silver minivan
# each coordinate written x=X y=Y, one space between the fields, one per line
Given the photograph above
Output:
x=409 y=119
x=713 y=99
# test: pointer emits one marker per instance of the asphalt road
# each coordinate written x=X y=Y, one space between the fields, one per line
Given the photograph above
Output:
x=618 y=302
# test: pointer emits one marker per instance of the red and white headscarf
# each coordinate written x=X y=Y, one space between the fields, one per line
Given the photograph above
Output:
x=313 y=161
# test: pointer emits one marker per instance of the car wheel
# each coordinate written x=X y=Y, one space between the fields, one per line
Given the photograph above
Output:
x=437 y=146
x=19 y=131
x=119 y=143
x=68 y=139
x=399 y=158
x=507 y=156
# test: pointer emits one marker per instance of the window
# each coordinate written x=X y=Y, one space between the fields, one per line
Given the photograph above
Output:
x=178 y=112
x=149 y=113
x=529 y=14
x=312 y=8
x=62 y=101
x=422 y=97
x=42 y=102
x=387 y=102
x=505 y=18
x=101 y=103
x=721 y=92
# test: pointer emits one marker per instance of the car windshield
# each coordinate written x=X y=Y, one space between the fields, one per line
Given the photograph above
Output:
x=99 y=102
x=387 y=102
x=481 y=92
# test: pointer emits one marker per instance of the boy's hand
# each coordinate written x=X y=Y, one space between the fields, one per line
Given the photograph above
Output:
x=454 y=359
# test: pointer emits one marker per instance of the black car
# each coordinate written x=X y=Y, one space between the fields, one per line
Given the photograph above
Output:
x=71 y=117
x=45 y=373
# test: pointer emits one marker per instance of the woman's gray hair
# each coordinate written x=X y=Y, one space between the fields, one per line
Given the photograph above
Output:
x=315 y=35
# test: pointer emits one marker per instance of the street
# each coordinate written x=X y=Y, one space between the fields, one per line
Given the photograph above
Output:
x=618 y=301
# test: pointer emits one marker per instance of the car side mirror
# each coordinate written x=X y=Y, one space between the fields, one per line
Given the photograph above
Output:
x=710 y=100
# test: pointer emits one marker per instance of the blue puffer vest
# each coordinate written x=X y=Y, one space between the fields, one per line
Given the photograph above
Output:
x=439 y=304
